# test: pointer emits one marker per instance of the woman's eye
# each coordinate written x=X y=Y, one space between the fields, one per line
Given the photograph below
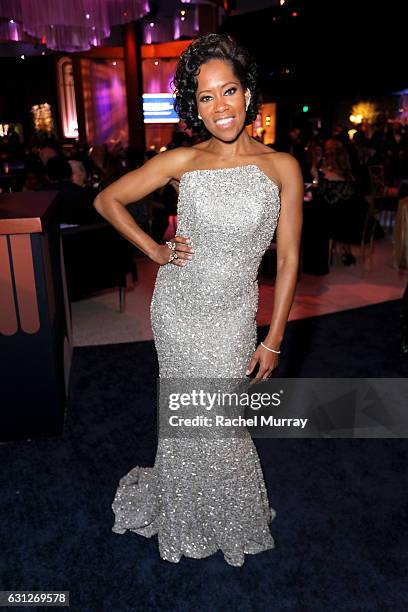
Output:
x=205 y=98
x=231 y=90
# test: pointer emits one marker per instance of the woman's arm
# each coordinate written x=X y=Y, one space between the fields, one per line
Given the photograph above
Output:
x=288 y=236
x=111 y=202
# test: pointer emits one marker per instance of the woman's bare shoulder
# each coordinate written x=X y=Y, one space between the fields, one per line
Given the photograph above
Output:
x=175 y=158
x=286 y=165
x=275 y=158
x=284 y=170
x=279 y=166
x=178 y=160
x=285 y=159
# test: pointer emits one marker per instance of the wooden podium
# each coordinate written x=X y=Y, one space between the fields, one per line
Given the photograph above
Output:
x=35 y=321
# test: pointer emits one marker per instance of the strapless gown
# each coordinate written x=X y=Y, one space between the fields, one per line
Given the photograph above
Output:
x=207 y=495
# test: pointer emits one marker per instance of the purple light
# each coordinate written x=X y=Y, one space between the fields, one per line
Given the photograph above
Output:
x=108 y=94
x=196 y=20
x=176 y=28
x=13 y=31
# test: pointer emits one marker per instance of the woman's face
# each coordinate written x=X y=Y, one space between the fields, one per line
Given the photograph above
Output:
x=221 y=100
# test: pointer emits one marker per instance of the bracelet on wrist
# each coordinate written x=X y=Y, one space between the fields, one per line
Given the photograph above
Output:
x=270 y=349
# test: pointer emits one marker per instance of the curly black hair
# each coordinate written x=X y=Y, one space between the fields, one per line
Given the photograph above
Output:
x=203 y=49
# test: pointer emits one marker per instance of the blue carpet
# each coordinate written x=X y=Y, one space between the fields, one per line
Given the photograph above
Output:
x=342 y=505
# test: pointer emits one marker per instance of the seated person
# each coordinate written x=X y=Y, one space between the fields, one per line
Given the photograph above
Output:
x=76 y=203
x=347 y=210
x=32 y=178
x=80 y=177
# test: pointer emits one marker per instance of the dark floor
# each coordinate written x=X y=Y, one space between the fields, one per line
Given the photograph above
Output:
x=342 y=505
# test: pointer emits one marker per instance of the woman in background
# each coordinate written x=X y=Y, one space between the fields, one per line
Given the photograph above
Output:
x=347 y=211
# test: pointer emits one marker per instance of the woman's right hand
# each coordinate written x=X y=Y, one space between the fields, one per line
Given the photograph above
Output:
x=183 y=250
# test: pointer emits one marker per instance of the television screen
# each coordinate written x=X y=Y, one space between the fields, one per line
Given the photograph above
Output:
x=158 y=108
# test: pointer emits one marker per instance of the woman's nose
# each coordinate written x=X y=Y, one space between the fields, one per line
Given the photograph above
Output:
x=220 y=105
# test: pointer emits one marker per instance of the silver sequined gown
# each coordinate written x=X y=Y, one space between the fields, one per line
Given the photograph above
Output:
x=202 y=496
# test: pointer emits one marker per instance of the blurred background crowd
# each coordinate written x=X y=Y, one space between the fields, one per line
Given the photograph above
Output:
x=342 y=174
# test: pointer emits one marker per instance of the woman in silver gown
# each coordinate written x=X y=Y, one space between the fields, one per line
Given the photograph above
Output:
x=208 y=493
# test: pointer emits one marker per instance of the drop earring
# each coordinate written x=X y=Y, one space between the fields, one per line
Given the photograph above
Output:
x=247 y=104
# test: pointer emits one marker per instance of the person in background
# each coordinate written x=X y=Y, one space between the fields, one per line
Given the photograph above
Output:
x=134 y=158
x=296 y=147
x=46 y=152
x=337 y=188
x=341 y=134
x=76 y=204
x=293 y=143
x=15 y=149
x=95 y=164
x=114 y=169
x=32 y=177
x=79 y=176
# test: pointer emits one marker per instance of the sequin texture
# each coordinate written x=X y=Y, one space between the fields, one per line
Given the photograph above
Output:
x=209 y=494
